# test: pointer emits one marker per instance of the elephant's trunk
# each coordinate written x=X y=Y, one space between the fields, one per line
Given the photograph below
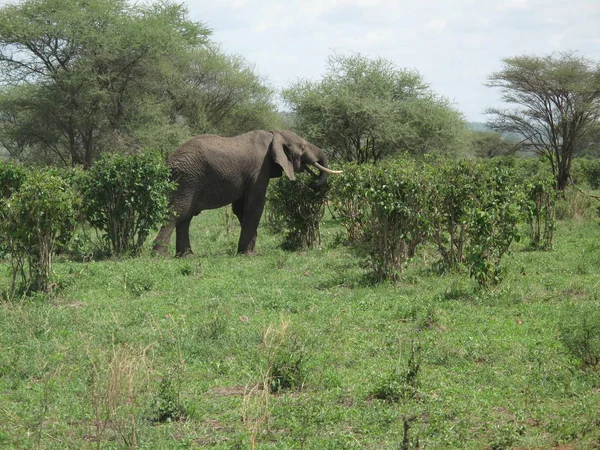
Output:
x=324 y=172
x=322 y=181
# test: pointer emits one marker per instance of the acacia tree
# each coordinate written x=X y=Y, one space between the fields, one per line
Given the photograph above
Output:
x=81 y=75
x=557 y=106
x=488 y=144
x=222 y=93
x=365 y=109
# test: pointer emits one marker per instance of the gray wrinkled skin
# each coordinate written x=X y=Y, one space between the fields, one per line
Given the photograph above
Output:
x=213 y=171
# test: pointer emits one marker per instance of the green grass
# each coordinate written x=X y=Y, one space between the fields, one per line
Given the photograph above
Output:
x=180 y=353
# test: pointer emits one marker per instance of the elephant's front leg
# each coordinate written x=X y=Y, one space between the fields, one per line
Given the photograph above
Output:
x=249 y=214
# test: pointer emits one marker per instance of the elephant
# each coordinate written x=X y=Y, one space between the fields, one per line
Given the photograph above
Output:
x=213 y=171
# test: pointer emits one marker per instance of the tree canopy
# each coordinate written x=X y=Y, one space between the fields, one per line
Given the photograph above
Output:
x=556 y=101
x=80 y=77
x=365 y=109
x=488 y=144
x=223 y=94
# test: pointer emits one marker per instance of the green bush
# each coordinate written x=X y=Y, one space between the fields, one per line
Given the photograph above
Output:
x=469 y=211
x=298 y=210
x=539 y=205
x=11 y=178
x=453 y=197
x=348 y=199
x=580 y=333
x=587 y=171
x=398 y=223
x=33 y=220
x=125 y=197
x=493 y=223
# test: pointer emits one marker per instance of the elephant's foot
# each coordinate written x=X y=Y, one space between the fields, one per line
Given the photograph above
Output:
x=160 y=249
x=184 y=253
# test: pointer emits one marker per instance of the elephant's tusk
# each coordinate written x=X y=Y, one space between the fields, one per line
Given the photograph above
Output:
x=326 y=170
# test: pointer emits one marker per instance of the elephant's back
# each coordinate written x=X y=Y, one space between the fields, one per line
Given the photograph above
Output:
x=222 y=153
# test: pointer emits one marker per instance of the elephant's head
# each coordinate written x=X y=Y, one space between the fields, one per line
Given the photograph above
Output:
x=294 y=154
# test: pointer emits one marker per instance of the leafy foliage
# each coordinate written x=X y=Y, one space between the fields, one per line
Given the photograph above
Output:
x=11 y=178
x=298 y=209
x=348 y=200
x=587 y=171
x=488 y=144
x=125 y=197
x=398 y=221
x=452 y=200
x=86 y=73
x=492 y=225
x=223 y=94
x=556 y=102
x=540 y=206
x=469 y=211
x=366 y=109
x=580 y=333
x=34 y=219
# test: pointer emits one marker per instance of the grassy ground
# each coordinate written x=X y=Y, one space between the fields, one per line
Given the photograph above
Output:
x=300 y=350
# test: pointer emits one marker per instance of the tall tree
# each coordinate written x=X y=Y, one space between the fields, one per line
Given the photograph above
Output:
x=81 y=76
x=223 y=94
x=556 y=101
x=488 y=144
x=365 y=109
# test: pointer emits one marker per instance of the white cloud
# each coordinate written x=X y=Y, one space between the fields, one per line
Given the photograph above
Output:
x=454 y=44
x=513 y=4
x=436 y=26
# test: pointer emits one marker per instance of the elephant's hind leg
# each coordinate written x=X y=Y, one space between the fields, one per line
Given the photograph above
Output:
x=182 y=238
x=161 y=243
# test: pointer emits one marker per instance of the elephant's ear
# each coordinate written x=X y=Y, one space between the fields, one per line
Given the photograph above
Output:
x=279 y=156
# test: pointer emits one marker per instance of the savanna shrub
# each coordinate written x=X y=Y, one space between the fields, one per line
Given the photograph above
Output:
x=493 y=223
x=587 y=171
x=398 y=223
x=33 y=220
x=297 y=209
x=539 y=206
x=580 y=333
x=453 y=198
x=11 y=178
x=348 y=199
x=125 y=197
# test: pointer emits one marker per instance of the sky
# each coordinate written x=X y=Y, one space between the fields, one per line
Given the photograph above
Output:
x=454 y=44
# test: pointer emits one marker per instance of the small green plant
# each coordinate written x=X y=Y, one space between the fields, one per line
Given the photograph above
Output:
x=288 y=366
x=166 y=404
x=539 y=204
x=138 y=284
x=403 y=381
x=298 y=209
x=125 y=197
x=580 y=333
x=34 y=220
